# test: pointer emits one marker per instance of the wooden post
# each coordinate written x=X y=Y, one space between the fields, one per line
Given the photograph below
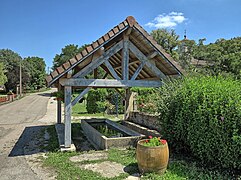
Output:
x=67 y=116
x=125 y=58
x=127 y=103
x=59 y=114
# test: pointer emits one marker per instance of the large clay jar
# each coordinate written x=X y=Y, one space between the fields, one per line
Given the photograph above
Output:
x=152 y=159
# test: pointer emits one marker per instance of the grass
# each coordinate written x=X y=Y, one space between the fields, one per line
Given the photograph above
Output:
x=178 y=168
x=79 y=109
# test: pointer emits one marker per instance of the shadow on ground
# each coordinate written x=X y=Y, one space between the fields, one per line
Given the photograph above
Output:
x=45 y=94
x=30 y=141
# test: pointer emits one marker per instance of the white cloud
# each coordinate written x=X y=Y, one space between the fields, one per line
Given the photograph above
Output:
x=167 y=20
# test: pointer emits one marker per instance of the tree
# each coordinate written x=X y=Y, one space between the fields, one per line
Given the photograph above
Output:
x=67 y=53
x=36 y=68
x=3 y=77
x=186 y=53
x=11 y=61
x=168 y=39
x=224 y=56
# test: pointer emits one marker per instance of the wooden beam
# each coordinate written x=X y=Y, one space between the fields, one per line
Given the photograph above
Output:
x=96 y=63
x=109 y=83
x=138 y=71
x=143 y=58
x=111 y=70
x=67 y=116
x=152 y=55
x=96 y=73
x=130 y=63
x=128 y=32
x=125 y=58
x=59 y=114
x=84 y=92
x=69 y=74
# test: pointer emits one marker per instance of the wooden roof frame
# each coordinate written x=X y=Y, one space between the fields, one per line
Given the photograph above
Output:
x=124 y=29
x=127 y=53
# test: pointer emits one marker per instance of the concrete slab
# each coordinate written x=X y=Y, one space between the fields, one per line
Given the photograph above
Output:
x=106 y=169
x=89 y=157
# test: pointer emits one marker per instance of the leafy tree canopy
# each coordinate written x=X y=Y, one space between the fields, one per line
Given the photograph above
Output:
x=168 y=39
x=36 y=68
x=3 y=77
x=67 y=53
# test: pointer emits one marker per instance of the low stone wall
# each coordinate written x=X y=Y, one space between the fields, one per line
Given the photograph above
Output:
x=146 y=120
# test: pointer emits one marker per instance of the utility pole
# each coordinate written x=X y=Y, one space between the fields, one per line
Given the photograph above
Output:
x=20 y=79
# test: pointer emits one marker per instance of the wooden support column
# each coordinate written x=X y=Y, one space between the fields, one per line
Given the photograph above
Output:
x=67 y=116
x=125 y=58
x=59 y=114
x=127 y=103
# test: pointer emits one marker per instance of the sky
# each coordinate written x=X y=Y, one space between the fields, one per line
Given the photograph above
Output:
x=43 y=27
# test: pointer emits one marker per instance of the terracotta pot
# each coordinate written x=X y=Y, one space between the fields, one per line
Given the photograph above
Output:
x=152 y=159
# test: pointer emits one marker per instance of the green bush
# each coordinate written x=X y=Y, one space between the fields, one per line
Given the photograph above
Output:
x=202 y=115
x=147 y=99
x=93 y=100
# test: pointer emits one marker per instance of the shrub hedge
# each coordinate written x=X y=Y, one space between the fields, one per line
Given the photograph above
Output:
x=95 y=96
x=202 y=115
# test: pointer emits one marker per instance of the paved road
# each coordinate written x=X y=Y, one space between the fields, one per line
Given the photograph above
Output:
x=19 y=121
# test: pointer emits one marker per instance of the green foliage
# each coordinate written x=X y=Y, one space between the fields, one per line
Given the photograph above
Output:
x=223 y=56
x=202 y=115
x=3 y=77
x=11 y=62
x=36 y=68
x=147 y=99
x=167 y=39
x=156 y=141
x=185 y=50
x=95 y=96
x=66 y=54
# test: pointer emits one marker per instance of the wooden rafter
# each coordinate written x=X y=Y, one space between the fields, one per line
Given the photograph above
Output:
x=96 y=63
x=143 y=58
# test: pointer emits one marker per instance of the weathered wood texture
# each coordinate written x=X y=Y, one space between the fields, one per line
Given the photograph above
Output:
x=144 y=59
x=84 y=92
x=67 y=116
x=125 y=58
x=59 y=115
x=93 y=65
x=108 y=83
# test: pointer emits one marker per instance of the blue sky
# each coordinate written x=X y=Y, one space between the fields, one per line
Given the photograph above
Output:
x=42 y=27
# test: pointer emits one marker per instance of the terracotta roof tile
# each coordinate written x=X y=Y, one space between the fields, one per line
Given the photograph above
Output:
x=78 y=56
x=84 y=53
x=115 y=29
x=54 y=74
x=100 y=41
x=48 y=79
x=95 y=44
x=66 y=65
x=121 y=26
x=60 y=69
x=111 y=33
x=72 y=61
x=106 y=37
